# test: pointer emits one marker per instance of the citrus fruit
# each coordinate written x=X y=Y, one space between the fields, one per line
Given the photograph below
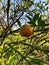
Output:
x=26 y=30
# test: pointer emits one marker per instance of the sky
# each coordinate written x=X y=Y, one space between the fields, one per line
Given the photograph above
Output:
x=39 y=0
x=19 y=1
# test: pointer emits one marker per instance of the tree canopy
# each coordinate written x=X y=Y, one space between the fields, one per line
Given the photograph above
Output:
x=16 y=49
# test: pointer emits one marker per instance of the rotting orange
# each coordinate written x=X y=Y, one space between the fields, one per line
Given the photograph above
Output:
x=26 y=30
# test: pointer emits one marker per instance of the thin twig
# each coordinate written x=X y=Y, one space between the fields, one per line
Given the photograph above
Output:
x=8 y=11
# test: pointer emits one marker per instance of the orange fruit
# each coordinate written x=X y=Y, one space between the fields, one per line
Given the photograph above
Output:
x=26 y=30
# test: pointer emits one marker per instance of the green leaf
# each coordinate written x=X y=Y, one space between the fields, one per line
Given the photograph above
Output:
x=32 y=22
x=29 y=18
x=36 y=16
x=37 y=4
x=47 y=0
x=19 y=23
x=41 y=22
x=46 y=8
x=36 y=61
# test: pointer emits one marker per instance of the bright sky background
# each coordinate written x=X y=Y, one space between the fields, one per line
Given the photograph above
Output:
x=40 y=0
x=19 y=1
